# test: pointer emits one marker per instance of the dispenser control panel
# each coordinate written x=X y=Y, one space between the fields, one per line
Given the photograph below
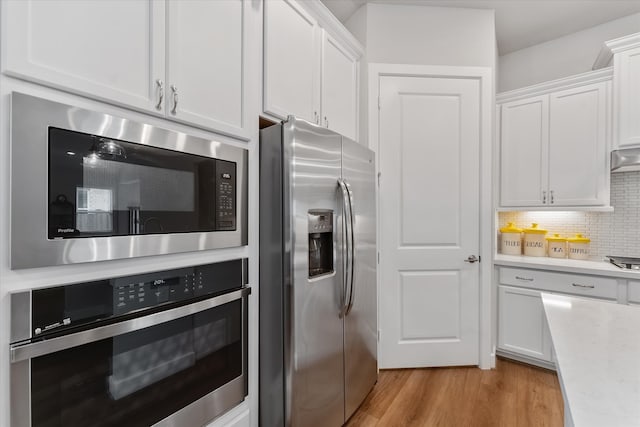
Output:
x=320 y=229
x=320 y=222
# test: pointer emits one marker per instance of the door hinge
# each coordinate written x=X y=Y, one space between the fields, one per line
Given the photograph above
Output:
x=378 y=257
x=379 y=175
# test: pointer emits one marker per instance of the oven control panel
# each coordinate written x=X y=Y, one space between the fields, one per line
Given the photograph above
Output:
x=63 y=307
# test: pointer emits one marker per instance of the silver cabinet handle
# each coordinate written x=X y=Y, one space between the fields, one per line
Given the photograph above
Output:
x=316 y=118
x=160 y=84
x=472 y=259
x=174 y=89
x=326 y=122
x=578 y=285
x=551 y=194
x=526 y=279
x=544 y=196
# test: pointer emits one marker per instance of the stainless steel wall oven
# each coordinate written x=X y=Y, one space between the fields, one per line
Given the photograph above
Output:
x=166 y=349
x=88 y=186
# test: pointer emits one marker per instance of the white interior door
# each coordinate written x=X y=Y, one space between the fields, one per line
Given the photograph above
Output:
x=429 y=133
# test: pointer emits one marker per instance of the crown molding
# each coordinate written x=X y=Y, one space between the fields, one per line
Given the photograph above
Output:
x=614 y=46
x=329 y=22
x=577 y=80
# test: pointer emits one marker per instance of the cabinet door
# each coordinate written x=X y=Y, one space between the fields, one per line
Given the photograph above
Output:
x=108 y=50
x=578 y=168
x=339 y=88
x=524 y=143
x=206 y=64
x=291 y=61
x=627 y=98
x=522 y=324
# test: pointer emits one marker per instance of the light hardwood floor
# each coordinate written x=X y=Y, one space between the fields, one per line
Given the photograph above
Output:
x=512 y=395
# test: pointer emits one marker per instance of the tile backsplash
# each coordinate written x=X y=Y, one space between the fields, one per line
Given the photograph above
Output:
x=611 y=233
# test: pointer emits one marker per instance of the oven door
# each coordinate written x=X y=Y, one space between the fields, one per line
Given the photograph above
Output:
x=179 y=367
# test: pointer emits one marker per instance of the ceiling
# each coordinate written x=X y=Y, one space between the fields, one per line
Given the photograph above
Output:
x=521 y=23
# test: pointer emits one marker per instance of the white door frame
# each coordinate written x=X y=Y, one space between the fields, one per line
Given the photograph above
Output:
x=487 y=216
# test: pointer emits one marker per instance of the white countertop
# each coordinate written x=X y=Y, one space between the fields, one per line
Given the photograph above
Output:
x=597 y=347
x=599 y=268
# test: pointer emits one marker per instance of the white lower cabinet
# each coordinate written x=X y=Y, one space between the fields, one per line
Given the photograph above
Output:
x=633 y=292
x=523 y=332
x=522 y=327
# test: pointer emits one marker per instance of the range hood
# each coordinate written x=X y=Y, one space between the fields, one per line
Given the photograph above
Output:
x=626 y=160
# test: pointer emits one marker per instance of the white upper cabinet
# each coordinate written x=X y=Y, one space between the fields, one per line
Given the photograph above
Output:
x=626 y=98
x=116 y=51
x=525 y=141
x=578 y=146
x=291 y=61
x=554 y=146
x=311 y=66
x=112 y=51
x=206 y=64
x=339 y=88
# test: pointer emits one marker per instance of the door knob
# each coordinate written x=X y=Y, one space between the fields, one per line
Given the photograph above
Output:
x=472 y=259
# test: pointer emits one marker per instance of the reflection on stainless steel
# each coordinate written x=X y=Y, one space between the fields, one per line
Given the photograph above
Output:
x=627 y=263
x=330 y=357
x=31 y=119
x=627 y=159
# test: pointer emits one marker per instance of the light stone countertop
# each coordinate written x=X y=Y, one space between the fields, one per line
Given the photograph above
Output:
x=599 y=268
x=597 y=346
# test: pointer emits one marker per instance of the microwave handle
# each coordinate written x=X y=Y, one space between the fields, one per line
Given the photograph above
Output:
x=20 y=352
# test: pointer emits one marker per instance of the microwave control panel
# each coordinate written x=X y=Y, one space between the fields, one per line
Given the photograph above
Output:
x=225 y=196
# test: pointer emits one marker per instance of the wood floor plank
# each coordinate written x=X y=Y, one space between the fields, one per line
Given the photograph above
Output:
x=513 y=394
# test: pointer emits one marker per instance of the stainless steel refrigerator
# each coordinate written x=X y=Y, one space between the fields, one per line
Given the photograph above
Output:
x=318 y=307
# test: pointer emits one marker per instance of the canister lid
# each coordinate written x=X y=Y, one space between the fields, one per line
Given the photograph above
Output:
x=510 y=228
x=579 y=239
x=556 y=238
x=534 y=229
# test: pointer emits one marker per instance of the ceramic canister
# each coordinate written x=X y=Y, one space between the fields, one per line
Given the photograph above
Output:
x=511 y=240
x=557 y=246
x=578 y=247
x=534 y=243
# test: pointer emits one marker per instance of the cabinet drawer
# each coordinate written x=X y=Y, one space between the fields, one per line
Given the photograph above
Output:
x=634 y=291
x=577 y=284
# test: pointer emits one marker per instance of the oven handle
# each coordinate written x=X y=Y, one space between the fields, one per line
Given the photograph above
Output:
x=29 y=351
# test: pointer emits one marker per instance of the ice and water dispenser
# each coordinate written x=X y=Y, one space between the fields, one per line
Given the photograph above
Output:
x=320 y=231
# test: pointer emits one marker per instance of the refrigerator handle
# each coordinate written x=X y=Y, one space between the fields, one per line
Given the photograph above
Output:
x=352 y=249
x=346 y=221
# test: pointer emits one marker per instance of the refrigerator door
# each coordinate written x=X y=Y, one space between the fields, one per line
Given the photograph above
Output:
x=361 y=324
x=314 y=329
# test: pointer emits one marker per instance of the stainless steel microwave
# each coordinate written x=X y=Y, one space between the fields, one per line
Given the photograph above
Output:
x=87 y=186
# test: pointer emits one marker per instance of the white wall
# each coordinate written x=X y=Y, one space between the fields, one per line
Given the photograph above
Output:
x=572 y=54
x=414 y=34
